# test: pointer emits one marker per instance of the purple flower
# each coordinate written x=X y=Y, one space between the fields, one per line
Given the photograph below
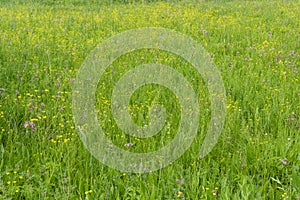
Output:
x=180 y=181
x=2 y=89
x=31 y=124
x=292 y=53
x=214 y=191
x=128 y=144
x=26 y=124
x=283 y=161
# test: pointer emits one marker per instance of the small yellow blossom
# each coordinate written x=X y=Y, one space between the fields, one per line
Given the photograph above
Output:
x=66 y=140
x=179 y=193
x=265 y=42
x=88 y=192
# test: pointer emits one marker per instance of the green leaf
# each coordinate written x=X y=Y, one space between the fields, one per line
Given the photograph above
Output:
x=296 y=180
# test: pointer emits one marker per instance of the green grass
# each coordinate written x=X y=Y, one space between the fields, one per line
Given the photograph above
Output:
x=255 y=46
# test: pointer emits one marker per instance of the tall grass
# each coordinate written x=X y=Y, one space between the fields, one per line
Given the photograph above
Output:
x=255 y=46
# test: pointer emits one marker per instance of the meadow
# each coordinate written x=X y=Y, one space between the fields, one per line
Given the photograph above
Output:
x=254 y=44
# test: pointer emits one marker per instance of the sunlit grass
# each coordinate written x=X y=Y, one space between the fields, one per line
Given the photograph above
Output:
x=255 y=46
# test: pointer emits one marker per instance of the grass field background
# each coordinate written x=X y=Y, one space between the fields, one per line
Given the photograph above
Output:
x=254 y=44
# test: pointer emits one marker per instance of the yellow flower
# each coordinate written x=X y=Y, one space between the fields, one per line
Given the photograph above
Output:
x=284 y=195
x=66 y=140
x=265 y=42
x=179 y=193
x=88 y=192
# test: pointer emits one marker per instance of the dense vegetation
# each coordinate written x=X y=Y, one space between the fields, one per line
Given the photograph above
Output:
x=255 y=46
